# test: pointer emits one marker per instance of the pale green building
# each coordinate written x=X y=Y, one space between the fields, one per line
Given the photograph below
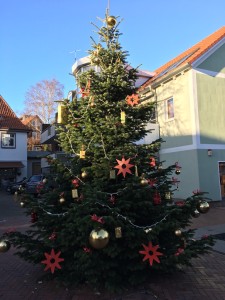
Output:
x=189 y=92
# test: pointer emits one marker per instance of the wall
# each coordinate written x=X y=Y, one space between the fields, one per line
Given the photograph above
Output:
x=215 y=62
x=209 y=170
x=189 y=176
x=178 y=131
x=211 y=107
x=17 y=154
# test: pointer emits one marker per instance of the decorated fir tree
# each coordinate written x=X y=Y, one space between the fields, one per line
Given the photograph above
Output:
x=106 y=214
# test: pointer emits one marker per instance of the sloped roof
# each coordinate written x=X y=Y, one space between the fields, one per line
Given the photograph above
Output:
x=189 y=56
x=28 y=118
x=8 y=119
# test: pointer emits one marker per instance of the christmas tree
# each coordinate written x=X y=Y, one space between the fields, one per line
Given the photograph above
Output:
x=106 y=214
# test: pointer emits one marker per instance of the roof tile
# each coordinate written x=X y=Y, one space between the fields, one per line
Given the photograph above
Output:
x=189 y=56
x=8 y=119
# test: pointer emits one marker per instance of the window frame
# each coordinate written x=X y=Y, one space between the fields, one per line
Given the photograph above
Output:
x=13 y=138
x=170 y=115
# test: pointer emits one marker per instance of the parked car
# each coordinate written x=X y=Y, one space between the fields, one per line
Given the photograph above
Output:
x=32 y=183
x=17 y=187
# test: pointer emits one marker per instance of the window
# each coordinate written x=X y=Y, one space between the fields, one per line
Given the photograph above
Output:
x=169 y=109
x=8 y=140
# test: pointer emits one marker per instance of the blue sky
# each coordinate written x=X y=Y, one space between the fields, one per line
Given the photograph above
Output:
x=39 y=39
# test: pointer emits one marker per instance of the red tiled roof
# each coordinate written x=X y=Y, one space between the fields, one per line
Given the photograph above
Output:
x=28 y=118
x=189 y=56
x=8 y=119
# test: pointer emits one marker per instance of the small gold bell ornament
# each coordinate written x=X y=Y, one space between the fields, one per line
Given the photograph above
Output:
x=4 y=246
x=99 y=238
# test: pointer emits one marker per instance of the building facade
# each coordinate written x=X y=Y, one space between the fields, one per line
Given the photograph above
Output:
x=189 y=92
x=13 y=148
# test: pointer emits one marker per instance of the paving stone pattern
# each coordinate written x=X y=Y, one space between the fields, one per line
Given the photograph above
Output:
x=20 y=280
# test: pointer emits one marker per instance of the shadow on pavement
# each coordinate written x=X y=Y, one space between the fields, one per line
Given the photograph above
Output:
x=204 y=280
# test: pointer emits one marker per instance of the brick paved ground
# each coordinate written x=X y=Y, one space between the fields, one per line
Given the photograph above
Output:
x=21 y=280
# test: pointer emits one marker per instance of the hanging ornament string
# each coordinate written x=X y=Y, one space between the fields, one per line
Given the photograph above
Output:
x=115 y=193
x=70 y=142
x=147 y=228
x=103 y=146
x=53 y=214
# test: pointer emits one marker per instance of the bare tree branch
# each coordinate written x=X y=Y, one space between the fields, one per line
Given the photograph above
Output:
x=40 y=99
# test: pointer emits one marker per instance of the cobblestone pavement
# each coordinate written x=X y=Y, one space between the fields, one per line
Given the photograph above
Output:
x=204 y=280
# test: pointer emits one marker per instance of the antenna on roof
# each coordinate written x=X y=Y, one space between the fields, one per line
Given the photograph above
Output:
x=75 y=54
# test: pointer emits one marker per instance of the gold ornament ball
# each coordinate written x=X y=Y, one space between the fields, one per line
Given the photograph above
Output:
x=84 y=174
x=62 y=200
x=4 y=246
x=111 y=21
x=99 y=238
x=177 y=171
x=144 y=181
x=203 y=207
x=196 y=214
x=178 y=232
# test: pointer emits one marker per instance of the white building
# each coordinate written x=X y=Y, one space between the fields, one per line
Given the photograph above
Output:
x=13 y=145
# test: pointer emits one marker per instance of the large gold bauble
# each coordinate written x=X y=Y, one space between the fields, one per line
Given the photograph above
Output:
x=203 y=207
x=99 y=238
x=4 y=246
x=111 y=21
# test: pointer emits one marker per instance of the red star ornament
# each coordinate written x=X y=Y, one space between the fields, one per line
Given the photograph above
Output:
x=133 y=99
x=151 y=253
x=52 y=261
x=97 y=219
x=124 y=166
